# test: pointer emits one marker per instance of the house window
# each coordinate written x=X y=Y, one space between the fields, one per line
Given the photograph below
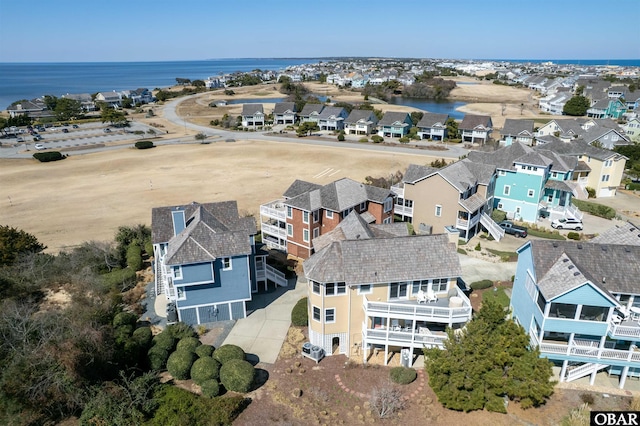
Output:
x=289 y=212
x=608 y=163
x=305 y=235
x=289 y=230
x=506 y=190
x=363 y=206
x=541 y=302
x=181 y=294
x=397 y=290
x=177 y=272
x=500 y=206
x=387 y=220
x=593 y=313
x=329 y=214
x=315 y=287
x=562 y=310
x=365 y=289
x=439 y=284
x=316 y=313
x=332 y=289
x=554 y=174
x=388 y=205
x=330 y=315
x=438 y=210
x=226 y=264
x=419 y=285
x=316 y=216
x=605 y=178
x=502 y=173
x=535 y=169
x=305 y=217
x=530 y=193
x=316 y=232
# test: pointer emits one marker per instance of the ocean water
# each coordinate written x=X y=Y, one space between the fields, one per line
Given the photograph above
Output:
x=31 y=80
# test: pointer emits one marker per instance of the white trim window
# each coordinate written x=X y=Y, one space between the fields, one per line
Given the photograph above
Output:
x=329 y=214
x=388 y=205
x=605 y=178
x=365 y=289
x=332 y=289
x=226 y=264
x=608 y=163
x=316 y=216
x=315 y=287
x=289 y=230
x=177 y=272
x=439 y=284
x=363 y=206
x=500 y=206
x=289 y=212
x=330 y=315
x=316 y=232
x=305 y=217
x=315 y=311
x=502 y=173
x=181 y=294
x=387 y=220
x=506 y=190
x=305 y=235
x=438 y=211
x=530 y=193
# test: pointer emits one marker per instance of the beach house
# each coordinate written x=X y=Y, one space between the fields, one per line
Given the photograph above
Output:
x=253 y=115
x=394 y=124
x=517 y=130
x=311 y=113
x=373 y=290
x=285 y=113
x=307 y=210
x=360 y=122
x=475 y=128
x=580 y=304
x=433 y=126
x=332 y=118
x=205 y=260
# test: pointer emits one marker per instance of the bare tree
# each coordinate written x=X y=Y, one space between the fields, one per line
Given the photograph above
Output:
x=386 y=401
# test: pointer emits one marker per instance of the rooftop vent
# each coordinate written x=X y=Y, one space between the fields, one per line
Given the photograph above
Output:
x=572 y=266
x=565 y=260
x=576 y=273
x=555 y=244
x=604 y=248
x=579 y=246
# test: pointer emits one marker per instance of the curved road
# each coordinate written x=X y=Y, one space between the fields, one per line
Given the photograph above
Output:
x=169 y=113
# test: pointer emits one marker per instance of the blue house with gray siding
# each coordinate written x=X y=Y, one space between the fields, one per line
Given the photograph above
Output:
x=205 y=260
x=580 y=304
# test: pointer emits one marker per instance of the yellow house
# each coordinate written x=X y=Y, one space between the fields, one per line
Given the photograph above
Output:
x=371 y=288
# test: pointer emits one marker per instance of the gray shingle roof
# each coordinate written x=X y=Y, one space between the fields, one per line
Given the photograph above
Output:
x=300 y=187
x=513 y=127
x=331 y=111
x=430 y=119
x=577 y=148
x=470 y=122
x=252 y=109
x=473 y=203
x=504 y=158
x=283 y=107
x=361 y=114
x=309 y=108
x=627 y=234
x=617 y=265
x=384 y=260
x=391 y=117
x=338 y=196
x=212 y=230
x=464 y=174
x=416 y=172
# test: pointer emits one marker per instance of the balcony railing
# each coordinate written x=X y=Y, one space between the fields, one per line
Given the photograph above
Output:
x=275 y=210
x=588 y=353
x=403 y=210
x=398 y=189
x=276 y=231
x=401 y=338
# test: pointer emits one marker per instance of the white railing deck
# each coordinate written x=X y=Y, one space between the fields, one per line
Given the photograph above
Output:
x=494 y=229
x=401 y=338
x=275 y=209
x=276 y=276
x=587 y=352
x=621 y=330
x=583 y=370
x=403 y=210
x=398 y=189
x=276 y=231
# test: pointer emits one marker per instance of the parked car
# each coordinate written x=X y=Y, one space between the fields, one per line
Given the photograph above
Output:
x=36 y=138
x=75 y=126
x=65 y=130
x=567 y=223
x=107 y=130
x=513 y=229
x=39 y=146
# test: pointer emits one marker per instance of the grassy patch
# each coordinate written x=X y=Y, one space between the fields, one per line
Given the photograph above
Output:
x=498 y=295
x=462 y=251
x=545 y=234
x=595 y=209
x=506 y=256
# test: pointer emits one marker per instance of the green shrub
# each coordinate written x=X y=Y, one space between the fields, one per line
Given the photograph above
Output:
x=498 y=215
x=477 y=247
x=403 y=375
x=180 y=330
x=377 y=138
x=573 y=236
x=204 y=369
x=148 y=247
x=299 y=313
x=204 y=351
x=545 y=234
x=165 y=340
x=120 y=279
x=226 y=353
x=122 y=333
x=237 y=375
x=144 y=144
x=404 y=139
x=188 y=344
x=45 y=157
x=591 y=192
x=134 y=257
x=632 y=186
x=210 y=388
x=462 y=251
x=179 y=364
x=363 y=140
x=595 y=209
x=341 y=137
x=124 y=318
x=158 y=357
x=143 y=336
x=479 y=285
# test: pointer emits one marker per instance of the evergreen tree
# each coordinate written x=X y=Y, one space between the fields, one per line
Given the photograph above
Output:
x=576 y=106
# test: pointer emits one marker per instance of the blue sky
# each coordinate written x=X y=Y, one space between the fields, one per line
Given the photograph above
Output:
x=149 y=30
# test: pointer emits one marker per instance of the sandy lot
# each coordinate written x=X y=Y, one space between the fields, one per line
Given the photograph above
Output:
x=86 y=197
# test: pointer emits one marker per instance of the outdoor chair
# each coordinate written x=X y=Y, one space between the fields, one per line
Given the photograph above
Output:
x=422 y=297
x=431 y=296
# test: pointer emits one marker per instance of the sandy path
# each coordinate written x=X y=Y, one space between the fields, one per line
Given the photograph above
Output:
x=87 y=197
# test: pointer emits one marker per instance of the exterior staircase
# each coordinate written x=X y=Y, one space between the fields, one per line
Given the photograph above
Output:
x=160 y=279
x=494 y=229
x=583 y=370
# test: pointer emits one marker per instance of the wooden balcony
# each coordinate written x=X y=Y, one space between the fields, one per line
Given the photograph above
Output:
x=585 y=351
x=274 y=210
x=415 y=337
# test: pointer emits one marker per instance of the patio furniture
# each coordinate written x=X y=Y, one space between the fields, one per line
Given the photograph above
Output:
x=431 y=296
x=395 y=325
x=455 y=302
x=421 y=297
x=635 y=313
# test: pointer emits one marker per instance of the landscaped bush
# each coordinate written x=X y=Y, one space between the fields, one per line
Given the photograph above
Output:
x=591 y=192
x=158 y=357
x=210 y=388
x=595 y=209
x=404 y=139
x=144 y=144
x=122 y=333
x=403 y=375
x=555 y=235
x=148 y=247
x=227 y=353
x=204 y=369
x=377 y=138
x=134 y=257
x=204 y=351
x=45 y=157
x=341 y=137
x=573 y=236
x=179 y=364
x=188 y=344
x=165 y=340
x=498 y=215
x=120 y=279
x=299 y=313
x=124 y=318
x=237 y=375
x=477 y=247
x=180 y=330
x=479 y=285
x=143 y=336
x=363 y=140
